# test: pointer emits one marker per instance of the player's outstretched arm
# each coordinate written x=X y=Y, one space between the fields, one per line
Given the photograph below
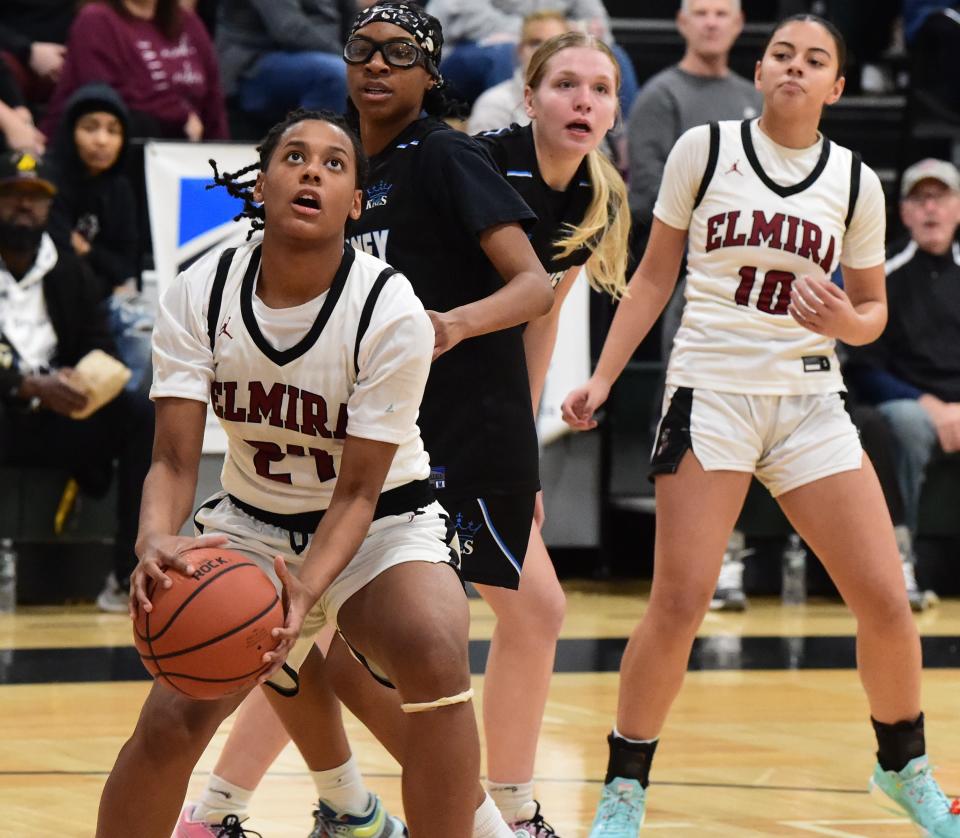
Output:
x=648 y=293
x=168 y=494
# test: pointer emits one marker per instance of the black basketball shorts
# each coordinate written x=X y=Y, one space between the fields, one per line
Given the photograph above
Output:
x=494 y=531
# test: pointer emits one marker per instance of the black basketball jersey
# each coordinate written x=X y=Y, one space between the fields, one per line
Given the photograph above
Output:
x=514 y=153
x=431 y=193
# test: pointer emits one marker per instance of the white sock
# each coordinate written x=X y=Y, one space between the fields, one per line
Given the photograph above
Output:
x=489 y=823
x=619 y=735
x=220 y=799
x=343 y=788
x=514 y=800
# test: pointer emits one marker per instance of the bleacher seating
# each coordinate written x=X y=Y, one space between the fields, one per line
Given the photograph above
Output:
x=55 y=566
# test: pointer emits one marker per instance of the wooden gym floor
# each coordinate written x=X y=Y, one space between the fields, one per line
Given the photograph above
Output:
x=770 y=735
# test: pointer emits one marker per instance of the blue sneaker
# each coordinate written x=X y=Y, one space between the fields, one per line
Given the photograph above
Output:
x=622 y=807
x=374 y=822
x=914 y=792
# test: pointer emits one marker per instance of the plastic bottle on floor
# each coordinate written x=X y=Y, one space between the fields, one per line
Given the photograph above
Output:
x=8 y=576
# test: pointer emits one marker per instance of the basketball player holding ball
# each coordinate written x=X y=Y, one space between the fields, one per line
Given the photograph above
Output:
x=767 y=209
x=314 y=357
x=580 y=202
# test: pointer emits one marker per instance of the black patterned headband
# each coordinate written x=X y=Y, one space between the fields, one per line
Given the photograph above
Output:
x=424 y=28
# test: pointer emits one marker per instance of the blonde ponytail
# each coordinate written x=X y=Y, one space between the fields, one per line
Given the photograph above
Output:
x=605 y=228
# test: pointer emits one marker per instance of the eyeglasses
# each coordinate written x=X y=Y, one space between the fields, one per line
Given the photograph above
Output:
x=921 y=198
x=396 y=52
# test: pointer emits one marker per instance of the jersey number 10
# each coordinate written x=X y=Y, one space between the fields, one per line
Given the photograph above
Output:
x=774 y=293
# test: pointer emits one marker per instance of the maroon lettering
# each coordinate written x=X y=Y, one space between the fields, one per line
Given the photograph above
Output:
x=732 y=238
x=263 y=403
x=790 y=244
x=324 y=463
x=713 y=231
x=748 y=276
x=314 y=416
x=812 y=237
x=827 y=261
x=771 y=230
x=231 y=412
x=267 y=453
x=775 y=292
x=216 y=390
x=341 y=430
x=290 y=423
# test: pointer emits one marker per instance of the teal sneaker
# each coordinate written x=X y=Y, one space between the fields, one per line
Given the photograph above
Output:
x=375 y=822
x=914 y=792
x=622 y=807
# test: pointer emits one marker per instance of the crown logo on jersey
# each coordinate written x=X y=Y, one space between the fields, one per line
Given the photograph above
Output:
x=377 y=194
x=468 y=530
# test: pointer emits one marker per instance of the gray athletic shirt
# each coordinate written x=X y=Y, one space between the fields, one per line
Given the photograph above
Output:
x=670 y=103
x=474 y=20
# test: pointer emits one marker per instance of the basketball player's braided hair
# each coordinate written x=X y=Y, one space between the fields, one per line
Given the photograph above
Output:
x=243 y=189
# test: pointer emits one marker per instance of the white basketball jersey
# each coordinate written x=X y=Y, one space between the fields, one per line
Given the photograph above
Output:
x=286 y=412
x=750 y=237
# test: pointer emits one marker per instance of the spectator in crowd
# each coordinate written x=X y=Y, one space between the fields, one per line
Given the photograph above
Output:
x=17 y=131
x=32 y=38
x=50 y=318
x=880 y=445
x=502 y=104
x=94 y=211
x=932 y=32
x=277 y=56
x=912 y=372
x=869 y=30
x=484 y=34
x=157 y=56
x=701 y=88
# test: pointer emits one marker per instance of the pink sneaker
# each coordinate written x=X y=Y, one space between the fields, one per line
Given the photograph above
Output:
x=534 y=826
x=229 y=827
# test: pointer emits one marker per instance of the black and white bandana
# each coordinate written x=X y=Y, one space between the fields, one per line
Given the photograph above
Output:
x=424 y=28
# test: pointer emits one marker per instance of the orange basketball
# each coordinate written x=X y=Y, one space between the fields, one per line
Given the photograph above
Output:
x=207 y=633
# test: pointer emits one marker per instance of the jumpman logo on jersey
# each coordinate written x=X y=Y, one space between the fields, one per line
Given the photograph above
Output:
x=223 y=329
x=735 y=168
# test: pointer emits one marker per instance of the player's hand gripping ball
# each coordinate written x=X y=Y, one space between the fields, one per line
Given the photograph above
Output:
x=208 y=632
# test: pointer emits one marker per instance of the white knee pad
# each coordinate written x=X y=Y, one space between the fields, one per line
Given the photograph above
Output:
x=423 y=706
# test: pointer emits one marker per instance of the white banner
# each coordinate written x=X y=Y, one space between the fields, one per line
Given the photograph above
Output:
x=187 y=219
x=570 y=365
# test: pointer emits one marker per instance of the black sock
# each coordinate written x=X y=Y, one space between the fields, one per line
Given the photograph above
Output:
x=899 y=743
x=630 y=759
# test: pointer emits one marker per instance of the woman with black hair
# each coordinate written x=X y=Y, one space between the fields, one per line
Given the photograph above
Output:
x=766 y=210
x=95 y=212
x=314 y=357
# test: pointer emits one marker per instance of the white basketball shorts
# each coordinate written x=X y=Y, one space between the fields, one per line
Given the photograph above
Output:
x=421 y=535
x=786 y=441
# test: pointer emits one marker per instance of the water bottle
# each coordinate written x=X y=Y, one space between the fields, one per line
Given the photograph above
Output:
x=8 y=576
x=794 y=567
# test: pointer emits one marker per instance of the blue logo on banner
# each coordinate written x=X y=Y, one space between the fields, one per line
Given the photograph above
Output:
x=202 y=209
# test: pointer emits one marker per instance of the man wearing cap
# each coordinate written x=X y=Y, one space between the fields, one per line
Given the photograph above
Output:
x=912 y=372
x=50 y=319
